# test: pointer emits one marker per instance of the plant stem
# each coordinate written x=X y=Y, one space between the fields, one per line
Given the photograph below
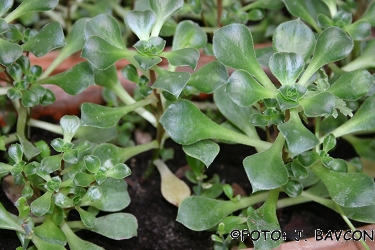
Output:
x=10 y=138
x=317 y=132
x=76 y=224
x=287 y=202
x=4 y=90
x=253 y=199
x=46 y=126
x=22 y=120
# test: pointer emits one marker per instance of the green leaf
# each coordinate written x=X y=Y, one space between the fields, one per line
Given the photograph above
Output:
x=333 y=44
x=199 y=213
x=259 y=166
x=204 y=80
x=49 y=38
x=264 y=218
x=352 y=85
x=347 y=189
x=172 y=82
x=369 y=14
x=63 y=201
x=363 y=214
x=10 y=52
x=8 y=222
x=92 y=163
x=294 y=37
x=106 y=27
x=96 y=135
x=105 y=117
x=50 y=232
x=307 y=159
x=118 y=226
x=182 y=57
x=69 y=125
x=31 y=6
x=87 y=218
x=329 y=143
x=75 y=243
x=363 y=146
x=140 y=22
x=50 y=164
x=189 y=35
x=101 y=54
x=152 y=47
x=115 y=196
x=119 y=171
x=293 y=188
x=298 y=8
x=322 y=104
x=53 y=184
x=205 y=151
x=74 y=80
x=5 y=5
x=41 y=244
x=41 y=205
x=363 y=119
x=83 y=180
x=5 y=168
x=244 y=90
x=30 y=98
x=15 y=152
x=233 y=46
x=130 y=72
x=146 y=62
x=28 y=149
x=286 y=67
x=164 y=10
x=298 y=170
x=359 y=30
x=298 y=138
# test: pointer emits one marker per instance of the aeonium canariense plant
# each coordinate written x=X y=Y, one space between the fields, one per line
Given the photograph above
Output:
x=294 y=160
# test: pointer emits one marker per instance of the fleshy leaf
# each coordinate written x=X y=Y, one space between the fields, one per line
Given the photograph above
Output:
x=87 y=218
x=182 y=57
x=41 y=205
x=333 y=44
x=115 y=196
x=205 y=151
x=10 y=52
x=363 y=119
x=365 y=60
x=299 y=139
x=369 y=14
x=15 y=152
x=141 y=22
x=186 y=124
x=199 y=213
x=49 y=38
x=298 y=8
x=118 y=226
x=294 y=37
x=359 y=30
x=164 y=10
x=5 y=5
x=244 y=90
x=146 y=62
x=321 y=104
x=363 y=146
x=8 y=222
x=41 y=244
x=259 y=166
x=76 y=243
x=69 y=125
x=74 y=80
x=50 y=164
x=63 y=201
x=102 y=54
x=28 y=148
x=172 y=82
x=363 y=214
x=209 y=78
x=50 y=232
x=352 y=85
x=347 y=189
x=119 y=171
x=31 y=6
x=105 y=117
x=106 y=27
x=286 y=67
x=188 y=35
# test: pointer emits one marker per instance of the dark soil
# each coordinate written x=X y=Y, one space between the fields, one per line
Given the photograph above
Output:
x=158 y=228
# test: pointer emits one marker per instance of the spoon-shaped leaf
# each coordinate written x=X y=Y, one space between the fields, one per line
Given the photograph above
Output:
x=8 y=222
x=321 y=104
x=74 y=42
x=299 y=8
x=286 y=67
x=41 y=205
x=173 y=189
x=294 y=37
x=365 y=60
x=10 y=52
x=31 y=6
x=298 y=138
x=259 y=166
x=172 y=82
x=50 y=232
x=118 y=226
x=363 y=119
x=50 y=164
x=87 y=218
x=5 y=5
x=188 y=35
x=182 y=57
x=186 y=124
x=205 y=151
x=141 y=22
x=49 y=38
x=76 y=243
x=164 y=10
x=105 y=117
x=102 y=54
x=359 y=30
x=69 y=125
x=106 y=27
x=28 y=148
x=233 y=46
x=347 y=189
x=41 y=244
x=352 y=85
x=363 y=214
x=209 y=78
x=333 y=44
x=244 y=90
x=74 y=80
